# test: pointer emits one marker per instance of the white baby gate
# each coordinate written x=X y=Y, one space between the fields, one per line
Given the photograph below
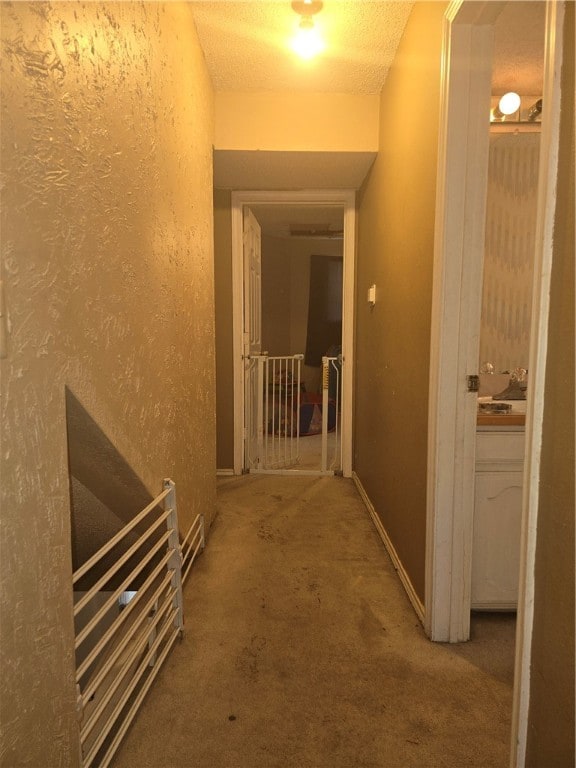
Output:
x=276 y=407
x=127 y=616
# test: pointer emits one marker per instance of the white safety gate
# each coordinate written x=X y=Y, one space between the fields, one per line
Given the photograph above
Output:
x=275 y=411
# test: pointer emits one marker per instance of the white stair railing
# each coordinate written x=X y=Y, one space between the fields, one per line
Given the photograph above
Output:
x=128 y=613
x=192 y=544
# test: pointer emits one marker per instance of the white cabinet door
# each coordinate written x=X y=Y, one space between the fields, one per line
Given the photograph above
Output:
x=497 y=519
x=496 y=546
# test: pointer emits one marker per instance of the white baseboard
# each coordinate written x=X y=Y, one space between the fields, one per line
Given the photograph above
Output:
x=224 y=472
x=404 y=578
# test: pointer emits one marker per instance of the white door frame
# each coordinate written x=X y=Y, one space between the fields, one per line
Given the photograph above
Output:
x=346 y=199
x=547 y=190
x=456 y=305
x=458 y=256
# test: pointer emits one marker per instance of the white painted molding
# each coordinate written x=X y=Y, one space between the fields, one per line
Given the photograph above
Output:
x=397 y=563
x=225 y=473
x=456 y=306
x=237 y=330
x=348 y=296
x=549 y=146
x=346 y=199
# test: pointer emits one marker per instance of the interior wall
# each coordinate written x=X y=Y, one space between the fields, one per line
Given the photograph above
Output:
x=551 y=715
x=307 y=122
x=224 y=329
x=286 y=294
x=301 y=250
x=276 y=296
x=395 y=252
x=107 y=246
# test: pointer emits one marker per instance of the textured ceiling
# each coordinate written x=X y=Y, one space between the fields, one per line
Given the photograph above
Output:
x=246 y=45
x=519 y=49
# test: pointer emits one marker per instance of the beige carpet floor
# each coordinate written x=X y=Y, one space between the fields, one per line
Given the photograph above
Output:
x=301 y=650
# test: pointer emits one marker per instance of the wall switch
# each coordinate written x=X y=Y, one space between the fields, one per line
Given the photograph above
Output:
x=372 y=295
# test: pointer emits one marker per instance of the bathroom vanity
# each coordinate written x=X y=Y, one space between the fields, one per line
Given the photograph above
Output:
x=497 y=511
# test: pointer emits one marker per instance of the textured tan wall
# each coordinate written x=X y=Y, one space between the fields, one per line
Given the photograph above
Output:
x=107 y=128
x=224 y=342
x=395 y=251
x=551 y=714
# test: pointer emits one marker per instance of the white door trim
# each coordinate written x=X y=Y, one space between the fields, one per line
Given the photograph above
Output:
x=548 y=178
x=346 y=199
x=451 y=448
x=456 y=305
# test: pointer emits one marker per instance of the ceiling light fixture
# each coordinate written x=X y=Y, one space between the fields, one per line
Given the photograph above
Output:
x=307 y=42
x=535 y=111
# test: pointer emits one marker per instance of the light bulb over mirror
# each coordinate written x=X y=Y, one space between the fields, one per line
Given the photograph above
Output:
x=508 y=105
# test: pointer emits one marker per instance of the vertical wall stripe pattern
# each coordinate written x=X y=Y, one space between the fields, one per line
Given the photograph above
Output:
x=510 y=231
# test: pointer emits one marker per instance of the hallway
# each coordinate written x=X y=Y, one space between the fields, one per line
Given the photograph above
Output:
x=301 y=649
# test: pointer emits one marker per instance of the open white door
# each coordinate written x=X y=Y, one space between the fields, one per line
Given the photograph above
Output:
x=252 y=347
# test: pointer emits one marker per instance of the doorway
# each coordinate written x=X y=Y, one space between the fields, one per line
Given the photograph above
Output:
x=301 y=299
x=338 y=206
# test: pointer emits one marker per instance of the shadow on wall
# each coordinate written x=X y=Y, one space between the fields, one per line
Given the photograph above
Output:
x=105 y=493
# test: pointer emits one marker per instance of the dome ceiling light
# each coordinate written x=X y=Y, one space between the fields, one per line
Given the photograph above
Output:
x=307 y=43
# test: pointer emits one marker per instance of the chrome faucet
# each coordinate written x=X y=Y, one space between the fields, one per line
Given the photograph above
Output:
x=516 y=389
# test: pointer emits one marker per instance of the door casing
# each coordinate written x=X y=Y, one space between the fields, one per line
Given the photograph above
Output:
x=252 y=331
x=345 y=199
